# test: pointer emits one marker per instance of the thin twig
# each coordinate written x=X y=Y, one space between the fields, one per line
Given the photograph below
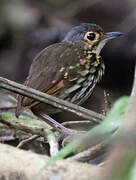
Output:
x=36 y=132
x=28 y=140
x=90 y=153
x=7 y=108
x=107 y=103
x=67 y=123
x=7 y=138
x=45 y=98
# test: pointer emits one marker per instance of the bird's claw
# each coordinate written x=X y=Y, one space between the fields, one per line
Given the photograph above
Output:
x=68 y=134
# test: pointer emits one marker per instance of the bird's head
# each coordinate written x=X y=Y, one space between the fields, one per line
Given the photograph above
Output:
x=92 y=34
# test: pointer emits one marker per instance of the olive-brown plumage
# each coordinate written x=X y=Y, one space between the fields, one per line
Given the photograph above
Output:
x=69 y=69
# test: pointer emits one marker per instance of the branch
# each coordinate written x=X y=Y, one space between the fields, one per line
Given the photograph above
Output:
x=19 y=164
x=40 y=129
x=45 y=98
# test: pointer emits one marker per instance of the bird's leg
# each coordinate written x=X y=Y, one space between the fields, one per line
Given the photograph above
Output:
x=63 y=130
x=65 y=133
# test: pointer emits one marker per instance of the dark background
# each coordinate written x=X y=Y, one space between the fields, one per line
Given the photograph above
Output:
x=27 y=26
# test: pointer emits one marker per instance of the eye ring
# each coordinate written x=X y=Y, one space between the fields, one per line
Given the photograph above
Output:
x=91 y=36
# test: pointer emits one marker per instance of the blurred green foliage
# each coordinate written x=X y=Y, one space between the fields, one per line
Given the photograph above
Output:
x=101 y=132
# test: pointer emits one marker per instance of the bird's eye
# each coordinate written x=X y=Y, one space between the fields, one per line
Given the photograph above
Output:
x=91 y=36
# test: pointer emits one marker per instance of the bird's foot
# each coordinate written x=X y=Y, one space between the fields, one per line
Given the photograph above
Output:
x=66 y=135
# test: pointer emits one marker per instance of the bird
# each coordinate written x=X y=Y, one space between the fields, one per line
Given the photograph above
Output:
x=68 y=70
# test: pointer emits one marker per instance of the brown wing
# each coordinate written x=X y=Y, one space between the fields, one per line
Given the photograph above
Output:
x=46 y=73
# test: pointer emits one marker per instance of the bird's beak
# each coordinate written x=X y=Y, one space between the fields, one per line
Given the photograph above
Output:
x=111 y=35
